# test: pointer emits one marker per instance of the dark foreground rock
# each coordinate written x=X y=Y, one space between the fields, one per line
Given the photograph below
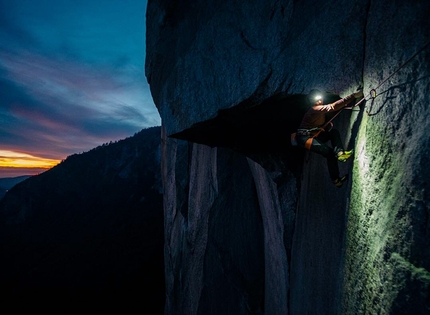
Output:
x=8 y=182
x=87 y=235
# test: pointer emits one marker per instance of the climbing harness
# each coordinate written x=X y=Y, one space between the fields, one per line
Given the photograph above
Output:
x=372 y=95
x=308 y=132
x=304 y=132
x=309 y=141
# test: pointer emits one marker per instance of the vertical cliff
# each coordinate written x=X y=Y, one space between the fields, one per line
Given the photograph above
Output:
x=253 y=225
x=388 y=243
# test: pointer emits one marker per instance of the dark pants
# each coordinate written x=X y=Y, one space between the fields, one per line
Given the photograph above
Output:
x=330 y=153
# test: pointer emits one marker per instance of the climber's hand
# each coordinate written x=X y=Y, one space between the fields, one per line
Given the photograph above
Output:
x=358 y=94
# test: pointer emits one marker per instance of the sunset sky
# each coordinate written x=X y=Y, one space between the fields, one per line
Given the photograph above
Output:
x=71 y=78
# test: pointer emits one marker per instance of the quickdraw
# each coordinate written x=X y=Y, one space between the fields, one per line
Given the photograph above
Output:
x=372 y=95
x=372 y=92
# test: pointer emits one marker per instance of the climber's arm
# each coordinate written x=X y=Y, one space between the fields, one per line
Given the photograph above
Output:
x=333 y=107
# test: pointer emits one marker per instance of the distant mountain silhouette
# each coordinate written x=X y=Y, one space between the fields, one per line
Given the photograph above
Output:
x=88 y=234
x=8 y=182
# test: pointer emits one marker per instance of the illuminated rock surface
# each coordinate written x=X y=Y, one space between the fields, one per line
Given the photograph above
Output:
x=254 y=226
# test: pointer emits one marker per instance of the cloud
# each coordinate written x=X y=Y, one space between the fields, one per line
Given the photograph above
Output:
x=72 y=75
x=23 y=160
x=6 y=172
x=12 y=35
x=14 y=164
x=54 y=101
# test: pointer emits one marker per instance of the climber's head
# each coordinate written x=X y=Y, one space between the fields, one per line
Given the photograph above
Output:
x=315 y=97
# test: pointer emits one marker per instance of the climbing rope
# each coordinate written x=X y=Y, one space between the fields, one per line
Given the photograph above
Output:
x=372 y=95
x=372 y=92
x=308 y=142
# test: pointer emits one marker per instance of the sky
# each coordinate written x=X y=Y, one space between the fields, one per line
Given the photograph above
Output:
x=71 y=78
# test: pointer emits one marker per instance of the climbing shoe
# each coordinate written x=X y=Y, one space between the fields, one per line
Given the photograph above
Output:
x=338 y=182
x=342 y=156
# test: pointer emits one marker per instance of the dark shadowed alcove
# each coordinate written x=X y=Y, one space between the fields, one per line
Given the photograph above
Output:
x=260 y=131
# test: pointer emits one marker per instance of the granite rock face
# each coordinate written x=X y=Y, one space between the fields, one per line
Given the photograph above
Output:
x=253 y=225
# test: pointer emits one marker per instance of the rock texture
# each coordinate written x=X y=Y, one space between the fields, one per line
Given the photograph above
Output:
x=253 y=225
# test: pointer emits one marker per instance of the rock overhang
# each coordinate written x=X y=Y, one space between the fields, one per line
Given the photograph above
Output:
x=260 y=131
x=253 y=128
x=355 y=47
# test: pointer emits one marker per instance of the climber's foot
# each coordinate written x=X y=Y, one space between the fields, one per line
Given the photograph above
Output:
x=338 y=182
x=342 y=156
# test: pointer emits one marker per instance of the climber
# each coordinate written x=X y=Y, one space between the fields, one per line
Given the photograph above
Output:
x=313 y=133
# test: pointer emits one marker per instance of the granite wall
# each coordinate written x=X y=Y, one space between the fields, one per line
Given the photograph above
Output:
x=253 y=225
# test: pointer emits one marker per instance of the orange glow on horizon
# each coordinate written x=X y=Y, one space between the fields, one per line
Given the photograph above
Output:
x=22 y=160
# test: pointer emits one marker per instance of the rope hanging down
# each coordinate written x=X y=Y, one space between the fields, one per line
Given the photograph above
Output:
x=372 y=92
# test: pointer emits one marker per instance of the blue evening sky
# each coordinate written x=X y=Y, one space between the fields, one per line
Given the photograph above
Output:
x=71 y=75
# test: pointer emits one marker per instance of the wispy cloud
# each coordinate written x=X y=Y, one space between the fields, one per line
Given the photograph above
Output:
x=23 y=160
x=69 y=106
x=71 y=75
x=17 y=163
